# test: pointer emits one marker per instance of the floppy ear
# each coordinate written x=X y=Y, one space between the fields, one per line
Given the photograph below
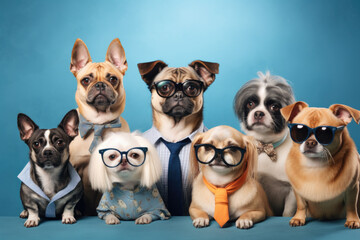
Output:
x=80 y=56
x=290 y=111
x=206 y=70
x=70 y=123
x=251 y=156
x=98 y=175
x=26 y=126
x=116 y=55
x=149 y=70
x=152 y=166
x=345 y=113
x=194 y=165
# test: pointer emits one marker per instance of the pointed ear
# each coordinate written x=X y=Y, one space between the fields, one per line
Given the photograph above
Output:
x=290 y=111
x=80 y=56
x=149 y=70
x=116 y=55
x=251 y=156
x=26 y=126
x=345 y=113
x=194 y=165
x=206 y=70
x=70 y=123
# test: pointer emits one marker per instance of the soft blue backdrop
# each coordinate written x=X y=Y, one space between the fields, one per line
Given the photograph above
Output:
x=314 y=44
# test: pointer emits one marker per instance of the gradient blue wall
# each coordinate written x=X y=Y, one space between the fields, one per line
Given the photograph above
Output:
x=314 y=44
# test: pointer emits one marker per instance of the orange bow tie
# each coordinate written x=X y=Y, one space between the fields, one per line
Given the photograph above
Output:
x=221 y=214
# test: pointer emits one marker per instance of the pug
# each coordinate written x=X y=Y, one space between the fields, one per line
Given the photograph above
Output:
x=100 y=97
x=177 y=110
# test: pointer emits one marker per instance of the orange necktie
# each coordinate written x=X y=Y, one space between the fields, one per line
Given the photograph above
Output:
x=221 y=215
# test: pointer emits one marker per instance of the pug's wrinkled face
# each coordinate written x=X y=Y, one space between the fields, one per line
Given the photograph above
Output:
x=179 y=105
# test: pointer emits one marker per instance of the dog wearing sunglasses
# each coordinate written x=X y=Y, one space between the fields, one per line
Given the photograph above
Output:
x=224 y=163
x=125 y=167
x=323 y=163
x=177 y=111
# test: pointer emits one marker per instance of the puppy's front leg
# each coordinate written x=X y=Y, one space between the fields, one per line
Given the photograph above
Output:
x=33 y=219
x=144 y=219
x=351 y=199
x=68 y=214
x=199 y=217
x=290 y=204
x=300 y=215
x=248 y=219
x=111 y=219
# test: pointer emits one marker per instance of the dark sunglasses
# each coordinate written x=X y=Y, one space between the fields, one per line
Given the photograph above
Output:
x=232 y=156
x=299 y=133
x=167 y=88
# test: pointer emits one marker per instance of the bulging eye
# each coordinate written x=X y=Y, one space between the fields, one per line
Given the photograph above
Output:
x=250 y=105
x=36 y=144
x=60 y=142
x=85 y=81
x=274 y=107
x=113 y=80
x=135 y=155
x=112 y=157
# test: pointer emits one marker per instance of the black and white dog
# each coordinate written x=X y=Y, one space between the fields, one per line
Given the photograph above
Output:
x=257 y=105
x=50 y=185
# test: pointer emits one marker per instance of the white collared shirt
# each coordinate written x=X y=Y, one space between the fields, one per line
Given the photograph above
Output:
x=153 y=135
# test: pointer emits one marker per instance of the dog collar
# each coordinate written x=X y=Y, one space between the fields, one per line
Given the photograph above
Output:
x=50 y=212
x=277 y=144
x=85 y=127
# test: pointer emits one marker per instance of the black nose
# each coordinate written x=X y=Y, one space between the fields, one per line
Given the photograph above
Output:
x=48 y=153
x=178 y=96
x=259 y=115
x=100 y=86
x=311 y=143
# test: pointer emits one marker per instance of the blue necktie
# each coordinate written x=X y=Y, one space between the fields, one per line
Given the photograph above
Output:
x=175 y=202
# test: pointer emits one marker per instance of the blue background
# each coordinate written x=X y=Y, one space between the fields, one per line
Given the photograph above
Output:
x=314 y=44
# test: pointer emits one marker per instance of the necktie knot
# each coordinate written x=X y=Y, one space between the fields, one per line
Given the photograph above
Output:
x=175 y=148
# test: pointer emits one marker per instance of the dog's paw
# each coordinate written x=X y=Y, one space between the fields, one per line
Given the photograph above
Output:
x=244 y=223
x=24 y=214
x=201 y=222
x=144 y=219
x=353 y=224
x=68 y=219
x=32 y=222
x=296 y=222
x=111 y=219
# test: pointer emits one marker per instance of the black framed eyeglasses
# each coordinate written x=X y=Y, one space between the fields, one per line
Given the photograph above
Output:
x=167 y=88
x=113 y=157
x=299 y=133
x=232 y=156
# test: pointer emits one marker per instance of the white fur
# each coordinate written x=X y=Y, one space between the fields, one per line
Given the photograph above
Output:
x=102 y=177
x=48 y=179
x=47 y=138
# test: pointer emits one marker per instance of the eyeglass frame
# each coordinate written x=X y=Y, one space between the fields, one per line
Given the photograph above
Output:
x=312 y=131
x=102 y=151
x=178 y=87
x=221 y=152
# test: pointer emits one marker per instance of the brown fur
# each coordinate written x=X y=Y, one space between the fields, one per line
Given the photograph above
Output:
x=330 y=191
x=247 y=204
x=82 y=66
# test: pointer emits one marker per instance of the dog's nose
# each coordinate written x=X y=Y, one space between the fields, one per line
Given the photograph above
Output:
x=311 y=143
x=259 y=115
x=100 y=86
x=178 y=96
x=48 y=153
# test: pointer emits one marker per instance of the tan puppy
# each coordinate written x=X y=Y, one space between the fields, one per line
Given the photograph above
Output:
x=248 y=204
x=100 y=96
x=323 y=164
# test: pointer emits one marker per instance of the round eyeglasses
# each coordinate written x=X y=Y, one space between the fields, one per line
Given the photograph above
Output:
x=167 y=88
x=113 y=157
x=232 y=156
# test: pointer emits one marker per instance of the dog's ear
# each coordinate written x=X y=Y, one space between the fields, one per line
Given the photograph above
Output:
x=206 y=70
x=290 y=111
x=194 y=165
x=251 y=155
x=26 y=126
x=116 y=55
x=149 y=70
x=70 y=123
x=345 y=113
x=151 y=172
x=80 y=56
